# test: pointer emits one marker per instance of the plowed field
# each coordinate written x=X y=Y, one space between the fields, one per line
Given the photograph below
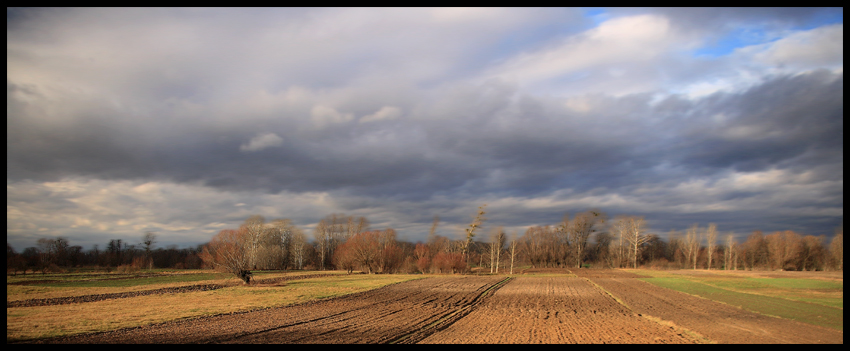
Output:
x=592 y=306
x=405 y=312
x=554 y=310
x=717 y=321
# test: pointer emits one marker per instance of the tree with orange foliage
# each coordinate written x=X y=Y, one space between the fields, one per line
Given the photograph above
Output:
x=422 y=257
x=228 y=252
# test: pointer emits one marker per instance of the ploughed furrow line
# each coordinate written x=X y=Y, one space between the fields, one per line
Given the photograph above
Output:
x=129 y=294
x=553 y=310
x=376 y=316
x=449 y=318
x=393 y=314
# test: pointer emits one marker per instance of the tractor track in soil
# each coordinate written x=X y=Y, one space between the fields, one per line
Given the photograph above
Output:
x=402 y=312
x=605 y=306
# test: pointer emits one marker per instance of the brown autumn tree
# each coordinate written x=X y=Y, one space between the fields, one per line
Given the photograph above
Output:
x=445 y=262
x=361 y=250
x=755 y=251
x=422 y=257
x=228 y=251
x=812 y=253
x=391 y=255
x=783 y=248
x=836 y=249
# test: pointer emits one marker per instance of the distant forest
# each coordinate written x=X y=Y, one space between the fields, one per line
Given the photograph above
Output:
x=588 y=239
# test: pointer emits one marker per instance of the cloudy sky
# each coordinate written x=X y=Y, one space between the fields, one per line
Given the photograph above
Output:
x=187 y=121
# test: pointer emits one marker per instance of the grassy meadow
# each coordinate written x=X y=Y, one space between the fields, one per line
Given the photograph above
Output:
x=809 y=297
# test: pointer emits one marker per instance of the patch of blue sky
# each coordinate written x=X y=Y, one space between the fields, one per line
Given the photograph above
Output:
x=738 y=38
x=760 y=34
x=597 y=14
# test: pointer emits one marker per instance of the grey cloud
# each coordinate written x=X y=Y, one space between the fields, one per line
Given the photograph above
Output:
x=238 y=116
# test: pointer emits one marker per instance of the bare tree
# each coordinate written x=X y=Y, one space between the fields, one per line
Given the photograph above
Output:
x=147 y=241
x=692 y=245
x=297 y=250
x=497 y=242
x=783 y=247
x=836 y=248
x=731 y=253
x=632 y=230
x=513 y=250
x=322 y=236
x=711 y=242
x=583 y=226
x=253 y=227
x=470 y=232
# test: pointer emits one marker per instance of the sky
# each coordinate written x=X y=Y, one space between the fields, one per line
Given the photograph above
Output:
x=186 y=121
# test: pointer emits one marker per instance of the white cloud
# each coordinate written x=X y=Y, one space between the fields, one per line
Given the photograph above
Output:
x=323 y=116
x=819 y=47
x=620 y=42
x=262 y=141
x=385 y=113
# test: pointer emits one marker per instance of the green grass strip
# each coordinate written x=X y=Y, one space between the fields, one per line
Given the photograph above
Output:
x=801 y=311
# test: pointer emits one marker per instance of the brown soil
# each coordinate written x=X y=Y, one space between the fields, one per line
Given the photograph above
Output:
x=554 y=310
x=716 y=321
x=488 y=309
x=404 y=312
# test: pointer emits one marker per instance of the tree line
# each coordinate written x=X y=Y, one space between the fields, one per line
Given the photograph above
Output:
x=57 y=255
x=348 y=243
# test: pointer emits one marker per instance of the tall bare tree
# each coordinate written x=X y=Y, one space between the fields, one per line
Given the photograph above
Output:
x=692 y=245
x=513 y=250
x=470 y=232
x=322 y=237
x=711 y=242
x=297 y=250
x=497 y=242
x=632 y=230
x=731 y=253
x=254 y=227
x=147 y=241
